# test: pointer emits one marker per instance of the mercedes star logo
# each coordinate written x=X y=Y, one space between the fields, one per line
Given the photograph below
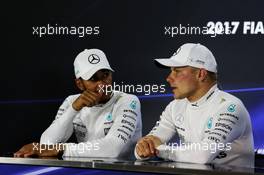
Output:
x=179 y=119
x=94 y=59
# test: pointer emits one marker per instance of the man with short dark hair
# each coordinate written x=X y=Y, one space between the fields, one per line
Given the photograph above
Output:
x=212 y=125
x=106 y=123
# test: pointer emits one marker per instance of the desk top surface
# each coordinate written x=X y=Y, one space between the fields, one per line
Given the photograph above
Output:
x=153 y=166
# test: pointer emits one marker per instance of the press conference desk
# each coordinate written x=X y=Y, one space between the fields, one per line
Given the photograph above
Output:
x=85 y=166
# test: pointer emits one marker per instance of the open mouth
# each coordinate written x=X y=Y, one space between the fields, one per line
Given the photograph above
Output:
x=174 y=88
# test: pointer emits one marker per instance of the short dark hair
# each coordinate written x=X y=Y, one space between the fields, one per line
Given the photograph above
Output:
x=212 y=76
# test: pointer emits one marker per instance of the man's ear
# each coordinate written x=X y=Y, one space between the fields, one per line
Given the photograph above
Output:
x=79 y=84
x=202 y=75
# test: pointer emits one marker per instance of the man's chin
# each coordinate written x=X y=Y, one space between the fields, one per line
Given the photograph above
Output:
x=177 y=97
x=105 y=97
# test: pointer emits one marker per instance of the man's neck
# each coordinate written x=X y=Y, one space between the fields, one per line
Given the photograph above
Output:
x=199 y=93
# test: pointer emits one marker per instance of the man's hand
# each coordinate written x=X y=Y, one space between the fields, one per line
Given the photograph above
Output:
x=87 y=98
x=37 y=150
x=146 y=146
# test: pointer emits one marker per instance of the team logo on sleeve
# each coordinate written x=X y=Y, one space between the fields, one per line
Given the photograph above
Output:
x=210 y=123
x=231 y=108
x=109 y=117
x=133 y=104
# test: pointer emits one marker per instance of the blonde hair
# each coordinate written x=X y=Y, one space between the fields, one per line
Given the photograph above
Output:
x=212 y=76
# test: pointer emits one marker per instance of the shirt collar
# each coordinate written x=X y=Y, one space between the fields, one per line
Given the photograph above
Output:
x=108 y=102
x=204 y=98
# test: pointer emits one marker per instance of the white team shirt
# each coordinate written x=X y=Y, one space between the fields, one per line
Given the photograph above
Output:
x=218 y=122
x=107 y=130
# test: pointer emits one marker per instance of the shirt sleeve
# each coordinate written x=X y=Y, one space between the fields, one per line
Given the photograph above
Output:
x=128 y=117
x=62 y=127
x=164 y=128
x=225 y=126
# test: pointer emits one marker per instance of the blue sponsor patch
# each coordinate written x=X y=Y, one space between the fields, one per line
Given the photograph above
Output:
x=133 y=104
x=210 y=123
x=231 y=108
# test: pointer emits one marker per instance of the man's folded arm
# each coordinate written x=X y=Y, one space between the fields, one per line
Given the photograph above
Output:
x=62 y=127
x=164 y=129
x=116 y=140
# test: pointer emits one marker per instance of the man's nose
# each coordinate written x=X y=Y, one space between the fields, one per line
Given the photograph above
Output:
x=168 y=79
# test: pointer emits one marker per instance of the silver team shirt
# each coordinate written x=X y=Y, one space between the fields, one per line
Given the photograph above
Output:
x=215 y=129
x=108 y=130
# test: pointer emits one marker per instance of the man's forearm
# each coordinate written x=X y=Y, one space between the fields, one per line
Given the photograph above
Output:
x=61 y=129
